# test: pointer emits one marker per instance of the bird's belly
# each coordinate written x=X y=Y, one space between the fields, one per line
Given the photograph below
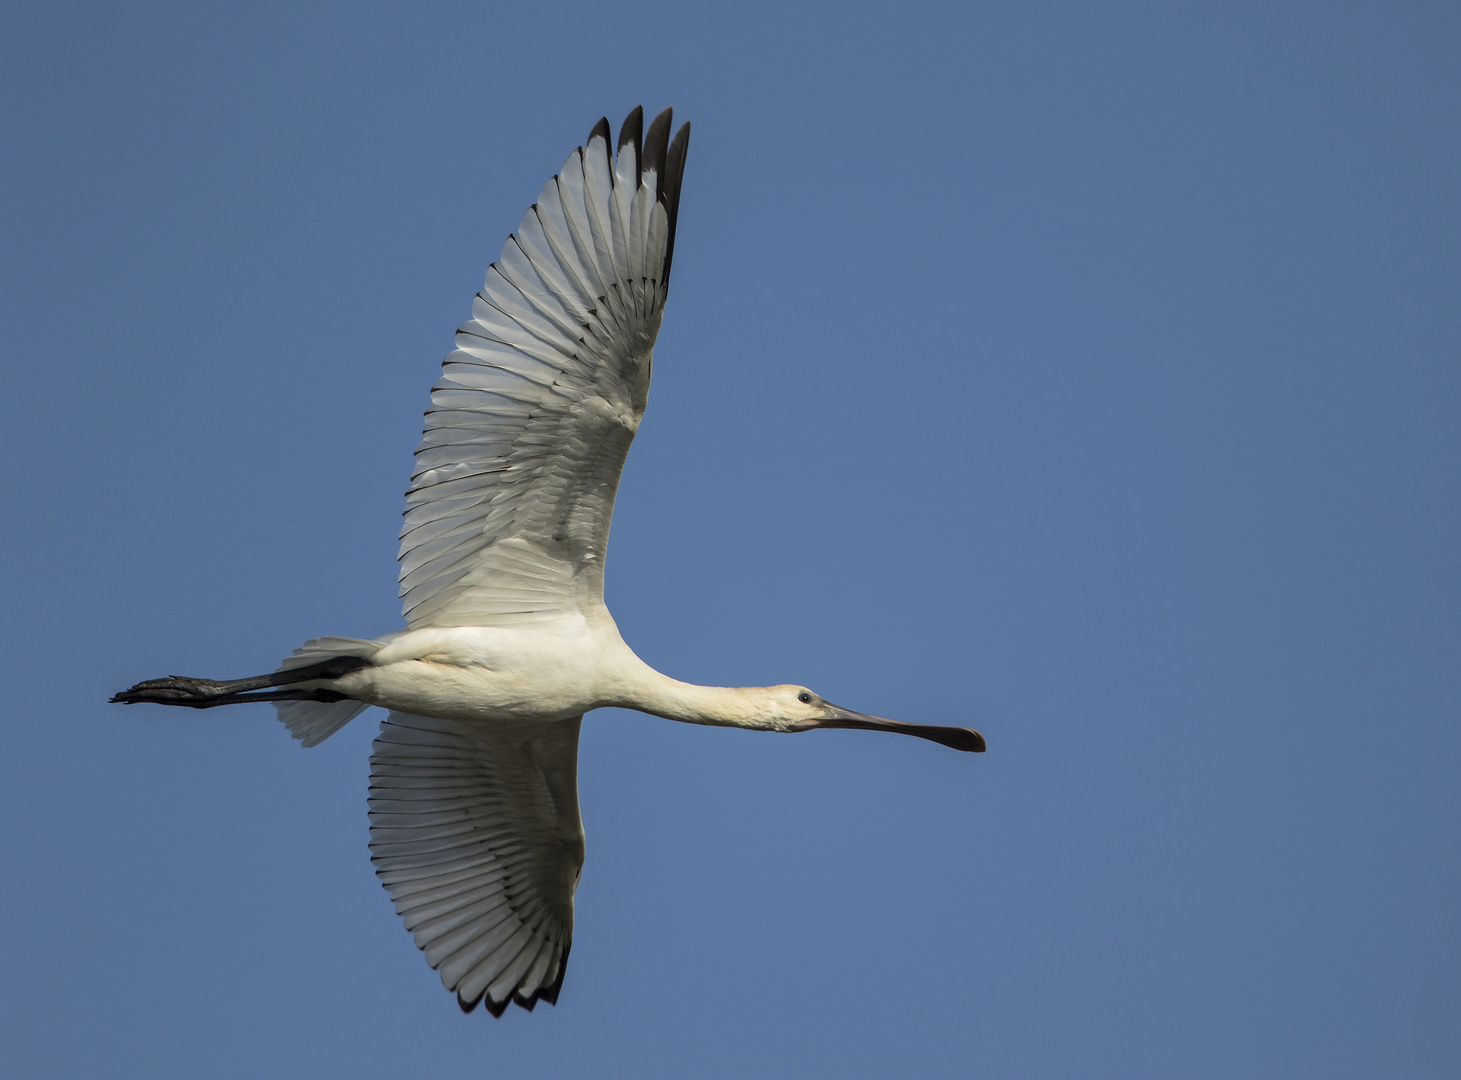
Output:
x=471 y=692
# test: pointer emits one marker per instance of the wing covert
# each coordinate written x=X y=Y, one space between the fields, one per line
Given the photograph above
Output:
x=508 y=512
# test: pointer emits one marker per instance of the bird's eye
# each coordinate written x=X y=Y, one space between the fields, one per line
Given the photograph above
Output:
x=804 y=697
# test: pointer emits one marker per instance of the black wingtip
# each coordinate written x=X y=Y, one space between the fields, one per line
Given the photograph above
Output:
x=674 y=176
x=550 y=993
x=600 y=131
x=467 y=1006
x=496 y=1008
x=655 y=145
x=632 y=132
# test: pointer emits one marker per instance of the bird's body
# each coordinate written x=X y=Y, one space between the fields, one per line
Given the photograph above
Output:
x=553 y=670
x=474 y=809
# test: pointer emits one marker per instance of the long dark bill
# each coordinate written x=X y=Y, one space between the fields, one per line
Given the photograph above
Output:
x=958 y=738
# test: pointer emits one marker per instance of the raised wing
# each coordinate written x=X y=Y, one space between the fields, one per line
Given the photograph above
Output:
x=508 y=513
x=474 y=830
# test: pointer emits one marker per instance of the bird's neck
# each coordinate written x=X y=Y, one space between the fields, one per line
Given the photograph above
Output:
x=722 y=706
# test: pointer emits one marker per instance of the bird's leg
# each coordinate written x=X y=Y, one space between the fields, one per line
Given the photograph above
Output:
x=206 y=693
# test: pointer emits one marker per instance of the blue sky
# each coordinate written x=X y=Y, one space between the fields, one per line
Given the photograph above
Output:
x=1087 y=373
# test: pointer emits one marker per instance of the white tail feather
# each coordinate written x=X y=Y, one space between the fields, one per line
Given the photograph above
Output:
x=312 y=722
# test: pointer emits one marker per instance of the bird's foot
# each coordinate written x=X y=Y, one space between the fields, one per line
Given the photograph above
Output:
x=174 y=690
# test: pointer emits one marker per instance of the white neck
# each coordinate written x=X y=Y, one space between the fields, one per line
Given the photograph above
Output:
x=642 y=687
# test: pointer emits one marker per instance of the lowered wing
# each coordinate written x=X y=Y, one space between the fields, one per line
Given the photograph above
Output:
x=474 y=830
x=507 y=517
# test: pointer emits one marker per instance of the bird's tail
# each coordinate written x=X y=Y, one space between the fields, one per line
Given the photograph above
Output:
x=312 y=722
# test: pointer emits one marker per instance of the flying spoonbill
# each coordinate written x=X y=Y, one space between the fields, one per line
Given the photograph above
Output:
x=474 y=820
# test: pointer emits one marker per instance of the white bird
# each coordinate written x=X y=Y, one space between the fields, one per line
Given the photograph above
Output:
x=474 y=819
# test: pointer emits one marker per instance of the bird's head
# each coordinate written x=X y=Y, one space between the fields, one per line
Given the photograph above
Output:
x=797 y=708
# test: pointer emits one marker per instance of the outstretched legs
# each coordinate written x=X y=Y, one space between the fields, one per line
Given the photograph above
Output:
x=206 y=693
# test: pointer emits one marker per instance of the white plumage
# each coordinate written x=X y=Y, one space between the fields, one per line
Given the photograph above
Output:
x=475 y=827
x=508 y=512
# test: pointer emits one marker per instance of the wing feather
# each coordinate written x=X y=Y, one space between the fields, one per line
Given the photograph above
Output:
x=566 y=241
x=508 y=513
x=475 y=832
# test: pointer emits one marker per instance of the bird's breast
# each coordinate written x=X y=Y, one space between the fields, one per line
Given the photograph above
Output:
x=481 y=673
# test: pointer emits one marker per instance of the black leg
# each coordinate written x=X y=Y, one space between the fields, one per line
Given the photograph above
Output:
x=175 y=696
x=206 y=693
